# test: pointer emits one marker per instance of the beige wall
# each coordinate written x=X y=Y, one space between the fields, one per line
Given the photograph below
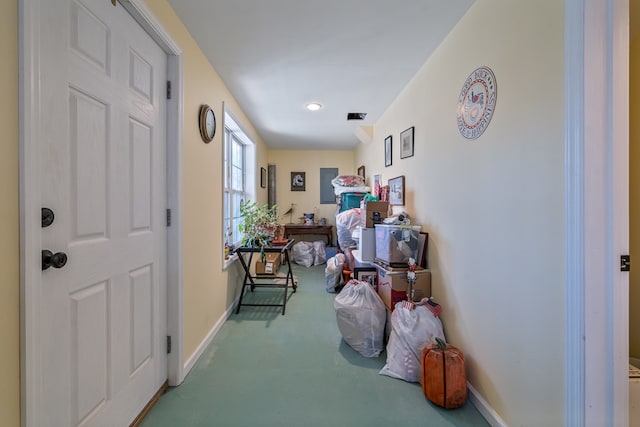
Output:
x=493 y=207
x=9 y=220
x=310 y=162
x=634 y=196
x=208 y=289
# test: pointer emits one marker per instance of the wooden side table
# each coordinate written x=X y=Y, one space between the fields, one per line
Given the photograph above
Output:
x=259 y=281
x=295 y=229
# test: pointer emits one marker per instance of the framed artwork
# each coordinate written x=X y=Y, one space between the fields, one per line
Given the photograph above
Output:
x=396 y=191
x=406 y=143
x=366 y=274
x=361 y=172
x=377 y=180
x=263 y=178
x=387 y=151
x=423 y=242
x=298 y=181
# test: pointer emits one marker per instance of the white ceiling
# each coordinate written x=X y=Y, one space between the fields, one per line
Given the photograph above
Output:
x=276 y=56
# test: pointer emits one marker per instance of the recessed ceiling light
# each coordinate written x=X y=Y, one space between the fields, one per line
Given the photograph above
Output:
x=314 y=106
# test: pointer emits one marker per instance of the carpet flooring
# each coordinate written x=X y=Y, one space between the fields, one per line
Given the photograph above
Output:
x=265 y=369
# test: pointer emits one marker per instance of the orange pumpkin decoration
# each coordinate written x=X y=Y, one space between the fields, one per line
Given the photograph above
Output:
x=444 y=380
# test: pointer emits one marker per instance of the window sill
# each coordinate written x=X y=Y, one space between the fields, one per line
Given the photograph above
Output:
x=227 y=262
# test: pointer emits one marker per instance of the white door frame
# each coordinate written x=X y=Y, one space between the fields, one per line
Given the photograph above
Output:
x=596 y=212
x=30 y=196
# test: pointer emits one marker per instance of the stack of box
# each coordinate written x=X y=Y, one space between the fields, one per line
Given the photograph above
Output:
x=395 y=244
x=393 y=285
x=391 y=246
x=371 y=213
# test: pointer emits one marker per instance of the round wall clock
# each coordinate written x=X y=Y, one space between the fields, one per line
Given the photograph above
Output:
x=207 y=123
x=477 y=103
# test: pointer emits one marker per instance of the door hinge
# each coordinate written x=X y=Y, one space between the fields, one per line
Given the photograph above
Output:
x=168 y=217
x=168 y=344
x=625 y=262
x=168 y=89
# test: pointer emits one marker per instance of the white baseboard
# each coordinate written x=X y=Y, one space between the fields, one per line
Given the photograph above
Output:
x=484 y=408
x=189 y=364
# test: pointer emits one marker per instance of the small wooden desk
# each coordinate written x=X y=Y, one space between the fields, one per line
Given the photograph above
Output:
x=293 y=229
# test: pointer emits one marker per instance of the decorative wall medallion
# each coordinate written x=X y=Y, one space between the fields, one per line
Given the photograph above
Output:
x=477 y=102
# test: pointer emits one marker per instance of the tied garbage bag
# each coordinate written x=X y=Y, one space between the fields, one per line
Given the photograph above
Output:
x=333 y=271
x=346 y=223
x=320 y=253
x=303 y=253
x=412 y=328
x=361 y=316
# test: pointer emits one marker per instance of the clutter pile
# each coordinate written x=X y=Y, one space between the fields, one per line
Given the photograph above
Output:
x=389 y=301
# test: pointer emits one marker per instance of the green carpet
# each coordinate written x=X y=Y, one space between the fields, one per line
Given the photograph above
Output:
x=266 y=369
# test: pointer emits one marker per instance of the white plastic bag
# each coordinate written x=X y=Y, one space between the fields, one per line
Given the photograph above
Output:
x=346 y=223
x=320 y=252
x=361 y=316
x=303 y=253
x=333 y=271
x=411 y=331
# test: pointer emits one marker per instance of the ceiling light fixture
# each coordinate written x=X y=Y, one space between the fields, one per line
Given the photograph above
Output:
x=314 y=106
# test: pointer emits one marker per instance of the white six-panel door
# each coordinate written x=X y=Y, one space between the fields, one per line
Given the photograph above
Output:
x=103 y=166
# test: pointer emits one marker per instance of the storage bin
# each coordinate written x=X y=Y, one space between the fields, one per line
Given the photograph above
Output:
x=350 y=200
x=395 y=244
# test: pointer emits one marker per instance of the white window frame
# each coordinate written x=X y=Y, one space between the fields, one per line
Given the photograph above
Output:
x=234 y=132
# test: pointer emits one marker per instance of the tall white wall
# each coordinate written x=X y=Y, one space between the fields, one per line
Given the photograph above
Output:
x=493 y=207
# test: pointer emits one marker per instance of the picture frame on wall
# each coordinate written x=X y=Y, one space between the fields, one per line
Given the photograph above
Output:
x=298 y=181
x=406 y=143
x=387 y=151
x=263 y=178
x=361 y=172
x=377 y=180
x=396 y=191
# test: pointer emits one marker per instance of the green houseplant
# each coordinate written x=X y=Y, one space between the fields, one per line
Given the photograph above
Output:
x=259 y=225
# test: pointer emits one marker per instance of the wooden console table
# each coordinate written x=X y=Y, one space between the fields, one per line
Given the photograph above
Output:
x=293 y=229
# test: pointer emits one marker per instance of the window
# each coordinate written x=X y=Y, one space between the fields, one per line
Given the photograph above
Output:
x=239 y=177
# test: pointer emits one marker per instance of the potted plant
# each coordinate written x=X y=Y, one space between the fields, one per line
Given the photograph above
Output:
x=259 y=226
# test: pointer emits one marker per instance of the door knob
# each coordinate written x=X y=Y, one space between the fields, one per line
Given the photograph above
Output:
x=47 y=217
x=49 y=259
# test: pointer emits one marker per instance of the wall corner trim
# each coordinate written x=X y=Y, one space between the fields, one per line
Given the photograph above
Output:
x=484 y=408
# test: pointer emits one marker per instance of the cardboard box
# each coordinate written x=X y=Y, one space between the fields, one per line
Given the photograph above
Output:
x=372 y=213
x=393 y=284
x=270 y=266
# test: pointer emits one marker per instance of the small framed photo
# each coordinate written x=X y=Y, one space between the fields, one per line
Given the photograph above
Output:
x=406 y=143
x=396 y=191
x=298 y=181
x=387 y=151
x=377 y=180
x=263 y=178
x=366 y=274
x=361 y=172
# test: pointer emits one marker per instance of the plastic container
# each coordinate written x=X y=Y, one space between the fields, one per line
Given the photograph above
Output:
x=350 y=201
x=395 y=244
